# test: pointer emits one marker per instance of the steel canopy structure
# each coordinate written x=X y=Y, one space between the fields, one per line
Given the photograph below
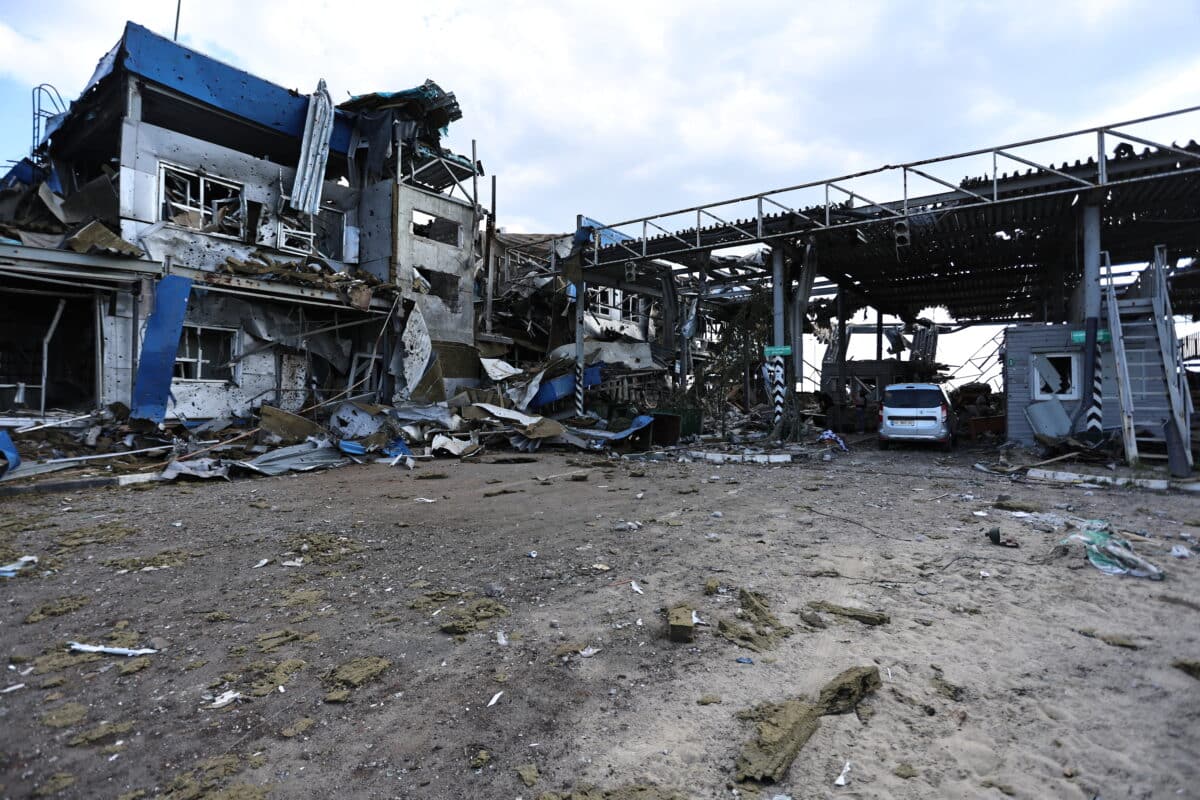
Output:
x=999 y=245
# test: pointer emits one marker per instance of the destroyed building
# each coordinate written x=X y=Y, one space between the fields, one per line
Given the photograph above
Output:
x=193 y=241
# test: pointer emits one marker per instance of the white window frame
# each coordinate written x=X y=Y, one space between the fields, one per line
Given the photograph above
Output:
x=235 y=350
x=205 y=213
x=1035 y=378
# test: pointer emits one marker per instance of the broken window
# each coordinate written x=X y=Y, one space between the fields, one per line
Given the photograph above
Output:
x=205 y=354
x=330 y=229
x=194 y=200
x=1055 y=375
x=605 y=303
x=439 y=229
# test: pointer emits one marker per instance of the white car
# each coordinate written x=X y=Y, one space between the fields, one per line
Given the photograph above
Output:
x=916 y=412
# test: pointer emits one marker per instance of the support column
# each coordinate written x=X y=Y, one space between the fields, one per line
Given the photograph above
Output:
x=878 y=335
x=580 y=312
x=840 y=398
x=1091 y=320
x=777 y=363
x=489 y=260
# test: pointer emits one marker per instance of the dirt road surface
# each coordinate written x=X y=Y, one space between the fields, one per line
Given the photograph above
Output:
x=393 y=647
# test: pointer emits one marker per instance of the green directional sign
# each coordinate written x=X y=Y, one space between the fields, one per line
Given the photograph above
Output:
x=780 y=350
x=1102 y=335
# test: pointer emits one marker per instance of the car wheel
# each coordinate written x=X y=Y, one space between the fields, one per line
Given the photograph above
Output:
x=884 y=444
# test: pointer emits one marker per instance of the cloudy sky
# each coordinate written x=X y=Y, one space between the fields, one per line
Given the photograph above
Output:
x=621 y=109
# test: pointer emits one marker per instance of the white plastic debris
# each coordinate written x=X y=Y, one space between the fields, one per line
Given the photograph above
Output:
x=980 y=513
x=844 y=778
x=225 y=698
x=261 y=563
x=295 y=562
x=423 y=500
x=1179 y=551
x=588 y=652
x=601 y=567
x=12 y=688
x=15 y=568
x=501 y=639
x=495 y=698
x=717 y=515
x=533 y=553
x=983 y=573
x=633 y=585
x=639 y=495
x=112 y=651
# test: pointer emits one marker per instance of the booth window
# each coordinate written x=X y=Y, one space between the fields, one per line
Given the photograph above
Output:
x=1055 y=375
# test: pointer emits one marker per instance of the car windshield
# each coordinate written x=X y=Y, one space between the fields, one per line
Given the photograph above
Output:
x=912 y=398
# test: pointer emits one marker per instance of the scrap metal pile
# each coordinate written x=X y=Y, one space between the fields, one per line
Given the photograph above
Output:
x=519 y=409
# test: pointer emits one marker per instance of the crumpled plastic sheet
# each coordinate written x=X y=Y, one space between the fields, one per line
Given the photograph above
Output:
x=830 y=436
x=17 y=567
x=1111 y=554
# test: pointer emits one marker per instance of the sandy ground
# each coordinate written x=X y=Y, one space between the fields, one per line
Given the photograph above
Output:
x=989 y=687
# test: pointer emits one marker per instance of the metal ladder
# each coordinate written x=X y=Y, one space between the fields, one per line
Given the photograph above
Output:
x=47 y=103
x=1156 y=406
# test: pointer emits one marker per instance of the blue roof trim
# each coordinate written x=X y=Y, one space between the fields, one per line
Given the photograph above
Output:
x=217 y=84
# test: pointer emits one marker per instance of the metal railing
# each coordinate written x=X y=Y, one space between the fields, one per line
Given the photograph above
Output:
x=1125 y=393
x=778 y=213
x=1164 y=320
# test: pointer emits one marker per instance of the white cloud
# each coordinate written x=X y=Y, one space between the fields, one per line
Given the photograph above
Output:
x=631 y=108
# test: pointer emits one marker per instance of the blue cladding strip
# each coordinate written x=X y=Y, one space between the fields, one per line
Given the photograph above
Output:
x=157 y=362
x=10 y=452
x=198 y=76
x=607 y=237
x=562 y=386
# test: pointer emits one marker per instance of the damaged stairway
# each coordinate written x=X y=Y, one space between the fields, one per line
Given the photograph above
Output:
x=1156 y=405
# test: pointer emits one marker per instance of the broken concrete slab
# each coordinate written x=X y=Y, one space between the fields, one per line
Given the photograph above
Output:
x=682 y=627
x=780 y=731
x=858 y=614
x=843 y=694
x=764 y=628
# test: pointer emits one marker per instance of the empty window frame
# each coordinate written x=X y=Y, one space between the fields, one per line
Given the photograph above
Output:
x=330 y=230
x=605 y=303
x=1055 y=375
x=435 y=228
x=205 y=354
x=201 y=202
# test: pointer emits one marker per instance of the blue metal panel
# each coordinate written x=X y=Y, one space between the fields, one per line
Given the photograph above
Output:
x=217 y=84
x=156 y=364
x=607 y=237
x=10 y=452
x=563 y=386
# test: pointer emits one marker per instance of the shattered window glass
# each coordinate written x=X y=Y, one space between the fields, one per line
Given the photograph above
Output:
x=201 y=202
x=204 y=354
x=1055 y=375
x=439 y=229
